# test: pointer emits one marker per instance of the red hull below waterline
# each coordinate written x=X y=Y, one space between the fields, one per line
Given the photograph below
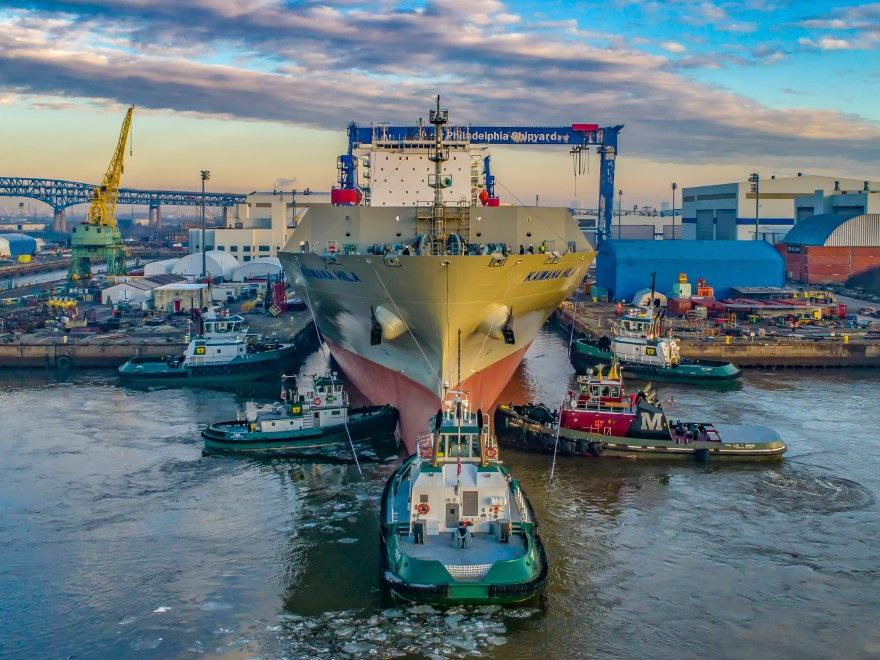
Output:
x=414 y=402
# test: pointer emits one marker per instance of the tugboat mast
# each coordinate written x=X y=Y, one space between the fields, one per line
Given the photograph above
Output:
x=440 y=154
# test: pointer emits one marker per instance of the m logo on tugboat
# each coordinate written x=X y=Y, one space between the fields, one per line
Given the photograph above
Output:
x=652 y=421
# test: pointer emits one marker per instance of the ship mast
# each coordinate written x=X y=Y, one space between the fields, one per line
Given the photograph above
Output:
x=440 y=154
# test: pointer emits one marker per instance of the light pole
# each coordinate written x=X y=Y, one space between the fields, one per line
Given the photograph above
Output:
x=619 y=212
x=206 y=174
x=674 y=188
x=755 y=187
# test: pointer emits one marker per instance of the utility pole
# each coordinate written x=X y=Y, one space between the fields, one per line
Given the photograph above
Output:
x=206 y=174
x=674 y=188
x=755 y=187
x=619 y=212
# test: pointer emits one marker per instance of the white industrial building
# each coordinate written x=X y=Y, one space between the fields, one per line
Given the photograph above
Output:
x=162 y=267
x=727 y=211
x=181 y=297
x=258 y=268
x=258 y=228
x=135 y=291
x=217 y=264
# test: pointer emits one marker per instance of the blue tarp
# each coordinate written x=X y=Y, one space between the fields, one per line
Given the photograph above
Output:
x=19 y=244
x=624 y=267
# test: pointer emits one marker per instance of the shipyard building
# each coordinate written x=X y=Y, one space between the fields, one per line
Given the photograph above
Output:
x=624 y=268
x=727 y=211
x=836 y=239
x=17 y=245
x=258 y=228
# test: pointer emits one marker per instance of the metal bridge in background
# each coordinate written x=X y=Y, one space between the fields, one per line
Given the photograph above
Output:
x=61 y=194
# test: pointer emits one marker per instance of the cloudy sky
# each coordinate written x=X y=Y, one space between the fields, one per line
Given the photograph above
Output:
x=260 y=91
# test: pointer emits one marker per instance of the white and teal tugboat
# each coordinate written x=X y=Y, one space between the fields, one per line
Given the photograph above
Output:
x=643 y=352
x=318 y=423
x=456 y=526
x=223 y=352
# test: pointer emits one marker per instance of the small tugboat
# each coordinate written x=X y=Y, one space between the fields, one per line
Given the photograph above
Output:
x=643 y=352
x=222 y=352
x=309 y=425
x=599 y=418
x=456 y=527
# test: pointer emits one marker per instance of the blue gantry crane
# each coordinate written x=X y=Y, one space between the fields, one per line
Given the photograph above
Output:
x=577 y=137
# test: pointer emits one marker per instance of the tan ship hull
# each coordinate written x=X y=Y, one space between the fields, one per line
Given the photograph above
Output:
x=442 y=320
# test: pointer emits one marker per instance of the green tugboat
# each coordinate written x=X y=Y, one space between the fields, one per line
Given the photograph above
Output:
x=599 y=418
x=316 y=424
x=222 y=353
x=643 y=353
x=456 y=527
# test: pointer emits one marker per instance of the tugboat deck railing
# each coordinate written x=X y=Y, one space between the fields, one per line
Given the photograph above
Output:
x=521 y=505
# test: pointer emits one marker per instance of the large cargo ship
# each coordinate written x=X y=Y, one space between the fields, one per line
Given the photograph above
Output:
x=416 y=298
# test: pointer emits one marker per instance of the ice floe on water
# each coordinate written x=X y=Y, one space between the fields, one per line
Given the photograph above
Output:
x=415 y=630
x=162 y=609
x=214 y=606
x=145 y=643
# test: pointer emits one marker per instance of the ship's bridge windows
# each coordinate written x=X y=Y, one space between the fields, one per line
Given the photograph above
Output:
x=615 y=392
x=460 y=445
x=209 y=327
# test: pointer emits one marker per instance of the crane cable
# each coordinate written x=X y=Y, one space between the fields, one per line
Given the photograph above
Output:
x=324 y=350
x=559 y=419
x=411 y=334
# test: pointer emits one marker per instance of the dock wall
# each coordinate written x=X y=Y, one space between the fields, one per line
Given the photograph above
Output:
x=61 y=356
x=757 y=352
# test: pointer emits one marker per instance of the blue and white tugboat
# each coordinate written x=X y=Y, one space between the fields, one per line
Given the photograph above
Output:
x=223 y=352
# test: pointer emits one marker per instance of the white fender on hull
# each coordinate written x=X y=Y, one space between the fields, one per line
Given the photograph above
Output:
x=493 y=322
x=392 y=325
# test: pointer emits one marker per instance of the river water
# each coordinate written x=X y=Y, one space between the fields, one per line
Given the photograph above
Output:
x=117 y=538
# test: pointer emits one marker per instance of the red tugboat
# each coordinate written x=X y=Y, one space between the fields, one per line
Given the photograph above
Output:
x=600 y=418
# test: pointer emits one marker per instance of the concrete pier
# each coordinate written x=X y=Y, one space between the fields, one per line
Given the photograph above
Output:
x=746 y=352
x=110 y=352
x=82 y=355
x=59 y=221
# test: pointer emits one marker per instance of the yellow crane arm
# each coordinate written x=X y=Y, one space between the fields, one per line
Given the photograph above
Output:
x=102 y=211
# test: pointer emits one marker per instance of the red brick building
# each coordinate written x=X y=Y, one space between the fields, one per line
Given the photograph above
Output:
x=831 y=248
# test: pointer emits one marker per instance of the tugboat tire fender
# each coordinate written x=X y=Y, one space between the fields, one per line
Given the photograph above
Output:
x=62 y=361
x=701 y=455
x=595 y=449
